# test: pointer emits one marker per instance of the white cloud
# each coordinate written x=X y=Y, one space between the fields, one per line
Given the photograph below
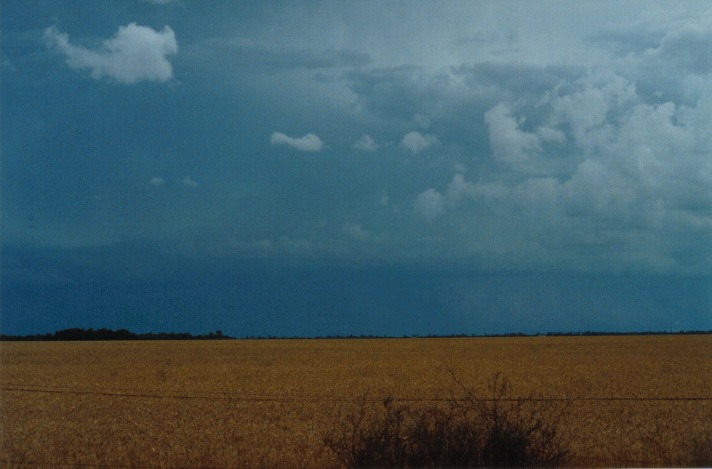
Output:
x=188 y=182
x=628 y=184
x=357 y=232
x=689 y=45
x=550 y=134
x=417 y=142
x=309 y=142
x=596 y=190
x=621 y=152
x=595 y=102
x=459 y=189
x=366 y=143
x=509 y=143
x=136 y=53
x=157 y=181
x=430 y=204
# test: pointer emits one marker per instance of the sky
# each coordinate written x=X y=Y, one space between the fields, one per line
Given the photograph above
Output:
x=356 y=168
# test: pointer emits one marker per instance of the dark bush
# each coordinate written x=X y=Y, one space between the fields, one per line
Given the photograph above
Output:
x=463 y=430
x=700 y=453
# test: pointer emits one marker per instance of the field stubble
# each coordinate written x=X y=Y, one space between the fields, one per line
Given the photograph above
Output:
x=269 y=403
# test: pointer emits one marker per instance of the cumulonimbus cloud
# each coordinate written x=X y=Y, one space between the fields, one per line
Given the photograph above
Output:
x=136 y=53
x=309 y=142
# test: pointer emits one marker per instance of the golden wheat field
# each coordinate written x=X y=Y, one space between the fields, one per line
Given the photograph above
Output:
x=634 y=400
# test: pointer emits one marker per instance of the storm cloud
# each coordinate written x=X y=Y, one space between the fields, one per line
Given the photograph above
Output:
x=477 y=140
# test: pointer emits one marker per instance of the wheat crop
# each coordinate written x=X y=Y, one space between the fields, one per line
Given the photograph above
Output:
x=634 y=400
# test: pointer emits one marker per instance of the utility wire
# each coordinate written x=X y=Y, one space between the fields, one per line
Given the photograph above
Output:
x=302 y=398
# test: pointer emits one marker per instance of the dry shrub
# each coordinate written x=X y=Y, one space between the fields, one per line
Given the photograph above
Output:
x=700 y=452
x=462 y=431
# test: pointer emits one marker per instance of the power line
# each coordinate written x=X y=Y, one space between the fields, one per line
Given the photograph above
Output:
x=227 y=396
x=74 y=464
x=303 y=398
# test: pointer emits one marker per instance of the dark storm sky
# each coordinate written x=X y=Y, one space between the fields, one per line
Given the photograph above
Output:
x=356 y=167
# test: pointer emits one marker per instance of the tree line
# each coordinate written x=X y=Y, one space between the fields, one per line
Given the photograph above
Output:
x=75 y=333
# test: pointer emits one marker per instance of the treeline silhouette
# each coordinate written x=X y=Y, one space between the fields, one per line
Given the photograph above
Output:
x=74 y=334
x=596 y=333
x=472 y=336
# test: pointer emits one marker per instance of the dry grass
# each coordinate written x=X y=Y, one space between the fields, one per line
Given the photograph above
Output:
x=268 y=403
